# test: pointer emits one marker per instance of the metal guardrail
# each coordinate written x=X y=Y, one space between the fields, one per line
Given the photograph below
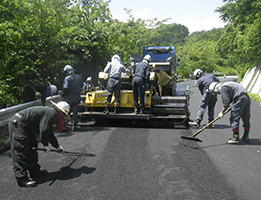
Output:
x=6 y=113
x=227 y=78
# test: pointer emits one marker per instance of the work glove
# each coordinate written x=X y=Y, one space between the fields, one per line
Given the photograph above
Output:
x=60 y=149
x=221 y=114
x=38 y=95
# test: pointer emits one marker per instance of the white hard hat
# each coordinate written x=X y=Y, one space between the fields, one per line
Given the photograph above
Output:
x=147 y=57
x=68 y=68
x=53 y=90
x=215 y=87
x=198 y=73
x=63 y=106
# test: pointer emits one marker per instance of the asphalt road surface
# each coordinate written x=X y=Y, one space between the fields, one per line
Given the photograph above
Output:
x=147 y=161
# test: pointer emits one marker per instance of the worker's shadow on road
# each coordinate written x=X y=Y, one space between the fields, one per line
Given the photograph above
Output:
x=215 y=126
x=220 y=126
x=252 y=141
x=65 y=173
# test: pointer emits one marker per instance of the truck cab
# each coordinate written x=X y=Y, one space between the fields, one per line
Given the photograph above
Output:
x=164 y=63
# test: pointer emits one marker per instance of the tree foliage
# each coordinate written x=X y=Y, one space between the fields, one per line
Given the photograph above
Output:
x=199 y=51
x=232 y=49
x=170 y=35
x=38 y=38
x=241 y=39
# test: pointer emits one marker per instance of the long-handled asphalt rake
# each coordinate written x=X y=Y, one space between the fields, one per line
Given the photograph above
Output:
x=193 y=137
x=71 y=153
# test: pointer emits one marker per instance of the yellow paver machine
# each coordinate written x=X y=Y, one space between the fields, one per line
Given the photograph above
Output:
x=161 y=101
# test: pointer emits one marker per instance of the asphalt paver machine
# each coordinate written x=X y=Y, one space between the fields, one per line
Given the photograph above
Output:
x=161 y=101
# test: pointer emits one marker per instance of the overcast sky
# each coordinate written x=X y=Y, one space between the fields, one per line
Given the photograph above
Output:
x=196 y=15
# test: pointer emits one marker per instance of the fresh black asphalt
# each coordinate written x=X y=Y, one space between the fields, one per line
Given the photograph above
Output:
x=146 y=161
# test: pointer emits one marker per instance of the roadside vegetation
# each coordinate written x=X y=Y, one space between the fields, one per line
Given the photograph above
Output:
x=255 y=97
x=38 y=38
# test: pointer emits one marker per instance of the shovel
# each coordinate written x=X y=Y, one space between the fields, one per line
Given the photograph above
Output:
x=71 y=153
x=193 y=137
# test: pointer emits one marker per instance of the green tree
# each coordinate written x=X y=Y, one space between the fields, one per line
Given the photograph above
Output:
x=170 y=35
x=241 y=39
x=200 y=51
x=38 y=38
x=132 y=36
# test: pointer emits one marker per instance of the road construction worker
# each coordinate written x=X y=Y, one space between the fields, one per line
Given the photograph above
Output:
x=25 y=129
x=208 y=98
x=140 y=78
x=71 y=92
x=114 y=69
x=38 y=90
x=232 y=92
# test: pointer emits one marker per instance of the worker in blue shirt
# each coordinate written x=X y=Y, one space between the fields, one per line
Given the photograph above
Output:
x=71 y=92
x=38 y=90
x=140 y=78
x=208 y=98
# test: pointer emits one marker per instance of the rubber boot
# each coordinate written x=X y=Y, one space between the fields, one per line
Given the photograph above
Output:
x=74 y=127
x=26 y=183
x=198 y=123
x=106 y=110
x=116 y=110
x=136 y=110
x=211 y=125
x=234 y=140
x=142 y=110
x=245 y=136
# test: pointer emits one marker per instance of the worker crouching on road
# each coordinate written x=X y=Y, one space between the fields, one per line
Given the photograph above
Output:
x=25 y=129
x=208 y=99
x=140 y=77
x=71 y=92
x=114 y=69
x=232 y=92
x=37 y=90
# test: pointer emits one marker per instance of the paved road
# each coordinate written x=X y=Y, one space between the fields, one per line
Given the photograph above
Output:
x=147 y=161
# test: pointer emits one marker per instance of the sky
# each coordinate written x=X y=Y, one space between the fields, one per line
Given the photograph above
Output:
x=196 y=15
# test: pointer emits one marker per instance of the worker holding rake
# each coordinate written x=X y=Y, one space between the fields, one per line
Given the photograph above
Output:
x=25 y=129
x=232 y=92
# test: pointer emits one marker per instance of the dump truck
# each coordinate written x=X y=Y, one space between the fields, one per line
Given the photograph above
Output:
x=161 y=101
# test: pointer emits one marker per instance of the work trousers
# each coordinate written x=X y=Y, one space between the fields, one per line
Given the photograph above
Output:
x=114 y=85
x=209 y=100
x=138 y=86
x=240 y=109
x=74 y=106
x=24 y=157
